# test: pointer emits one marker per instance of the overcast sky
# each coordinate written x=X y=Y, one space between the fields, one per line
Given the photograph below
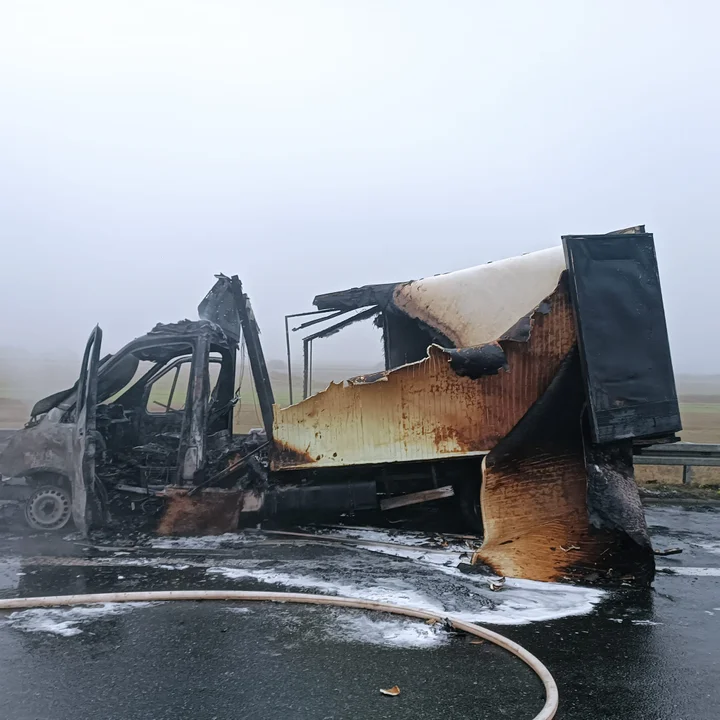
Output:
x=312 y=146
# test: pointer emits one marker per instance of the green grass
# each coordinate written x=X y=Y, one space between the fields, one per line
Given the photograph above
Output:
x=698 y=407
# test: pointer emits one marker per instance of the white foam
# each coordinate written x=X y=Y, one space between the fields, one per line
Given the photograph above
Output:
x=405 y=541
x=385 y=536
x=66 y=621
x=396 y=592
x=711 y=547
x=691 y=571
x=125 y=562
x=520 y=602
x=433 y=556
x=524 y=601
x=205 y=542
x=396 y=632
x=10 y=568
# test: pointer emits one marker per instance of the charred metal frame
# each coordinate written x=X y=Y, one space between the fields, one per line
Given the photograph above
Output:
x=325 y=332
x=287 y=338
x=86 y=514
x=308 y=340
x=251 y=333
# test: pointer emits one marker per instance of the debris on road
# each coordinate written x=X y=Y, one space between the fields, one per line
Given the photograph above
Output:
x=668 y=551
x=497 y=584
x=392 y=692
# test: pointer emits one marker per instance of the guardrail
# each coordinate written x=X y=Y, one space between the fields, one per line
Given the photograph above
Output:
x=686 y=454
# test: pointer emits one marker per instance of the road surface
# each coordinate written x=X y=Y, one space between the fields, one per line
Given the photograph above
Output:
x=631 y=654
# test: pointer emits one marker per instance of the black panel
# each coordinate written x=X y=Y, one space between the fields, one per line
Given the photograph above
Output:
x=406 y=340
x=356 y=298
x=615 y=290
x=475 y=362
x=322 y=498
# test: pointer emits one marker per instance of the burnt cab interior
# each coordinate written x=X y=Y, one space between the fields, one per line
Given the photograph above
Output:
x=158 y=376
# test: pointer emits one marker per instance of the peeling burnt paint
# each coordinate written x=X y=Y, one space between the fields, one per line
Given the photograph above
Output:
x=427 y=410
x=285 y=455
x=477 y=305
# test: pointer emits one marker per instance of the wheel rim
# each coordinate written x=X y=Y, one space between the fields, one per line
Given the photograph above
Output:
x=48 y=508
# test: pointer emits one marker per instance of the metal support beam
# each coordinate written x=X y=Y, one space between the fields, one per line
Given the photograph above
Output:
x=289 y=361
x=687 y=474
x=417 y=497
x=308 y=348
x=287 y=337
x=261 y=376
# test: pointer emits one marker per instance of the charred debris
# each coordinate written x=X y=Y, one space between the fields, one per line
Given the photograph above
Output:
x=515 y=391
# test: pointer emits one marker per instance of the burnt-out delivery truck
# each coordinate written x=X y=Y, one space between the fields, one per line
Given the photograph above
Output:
x=517 y=390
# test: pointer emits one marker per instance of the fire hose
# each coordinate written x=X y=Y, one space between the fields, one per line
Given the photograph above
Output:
x=551 y=691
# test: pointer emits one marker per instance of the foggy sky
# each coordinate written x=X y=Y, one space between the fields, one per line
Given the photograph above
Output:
x=312 y=146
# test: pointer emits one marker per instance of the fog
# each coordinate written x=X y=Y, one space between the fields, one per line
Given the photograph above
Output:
x=313 y=146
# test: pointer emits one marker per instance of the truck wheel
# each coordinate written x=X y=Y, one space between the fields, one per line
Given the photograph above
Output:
x=48 y=508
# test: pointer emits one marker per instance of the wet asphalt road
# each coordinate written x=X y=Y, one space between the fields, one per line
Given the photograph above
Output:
x=652 y=654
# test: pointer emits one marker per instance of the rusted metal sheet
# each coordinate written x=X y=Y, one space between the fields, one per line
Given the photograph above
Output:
x=538 y=521
x=426 y=410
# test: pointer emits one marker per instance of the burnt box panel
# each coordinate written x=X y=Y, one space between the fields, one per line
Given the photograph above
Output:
x=618 y=308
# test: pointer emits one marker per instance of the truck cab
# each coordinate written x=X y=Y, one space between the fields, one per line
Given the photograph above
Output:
x=158 y=412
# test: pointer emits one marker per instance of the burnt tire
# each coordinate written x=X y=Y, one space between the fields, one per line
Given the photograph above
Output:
x=48 y=508
x=468 y=495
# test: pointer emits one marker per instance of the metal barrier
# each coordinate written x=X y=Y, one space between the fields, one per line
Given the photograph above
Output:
x=686 y=454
